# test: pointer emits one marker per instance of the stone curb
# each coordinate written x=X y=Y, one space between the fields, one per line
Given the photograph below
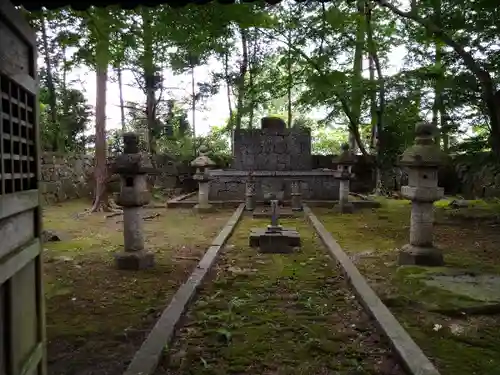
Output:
x=410 y=354
x=146 y=359
x=180 y=198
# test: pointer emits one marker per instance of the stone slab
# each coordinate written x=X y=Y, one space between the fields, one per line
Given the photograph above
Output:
x=291 y=235
x=410 y=354
x=134 y=260
x=481 y=287
x=146 y=359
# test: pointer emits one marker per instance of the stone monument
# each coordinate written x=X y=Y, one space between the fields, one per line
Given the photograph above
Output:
x=422 y=161
x=275 y=239
x=133 y=167
x=345 y=162
x=203 y=163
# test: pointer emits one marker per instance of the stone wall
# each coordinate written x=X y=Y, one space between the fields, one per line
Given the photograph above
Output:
x=315 y=185
x=70 y=176
x=65 y=176
x=272 y=150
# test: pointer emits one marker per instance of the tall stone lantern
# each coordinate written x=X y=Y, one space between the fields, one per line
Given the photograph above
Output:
x=345 y=162
x=203 y=164
x=422 y=161
x=133 y=167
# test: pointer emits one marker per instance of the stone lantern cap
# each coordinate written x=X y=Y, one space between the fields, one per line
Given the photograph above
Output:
x=425 y=152
x=132 y=161
x=346 y=157
x=203 y=161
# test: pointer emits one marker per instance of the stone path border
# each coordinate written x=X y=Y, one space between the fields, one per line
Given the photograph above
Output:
x=179 y=198
x=410 y=354
x=146 y=359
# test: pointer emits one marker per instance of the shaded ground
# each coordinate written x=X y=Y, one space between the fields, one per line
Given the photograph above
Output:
x=98 y=316
x=459 y=344
x=277 y=314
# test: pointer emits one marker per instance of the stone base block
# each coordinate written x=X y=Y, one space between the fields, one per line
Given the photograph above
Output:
x=420 y=256
x=204 y=209
x=277 y=242
x=134 y=260
x=346 y=208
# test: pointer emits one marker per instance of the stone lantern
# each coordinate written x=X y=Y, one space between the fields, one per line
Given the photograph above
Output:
x=203 y=164
x=422 y=161
x=133 y=167
x=345 y=162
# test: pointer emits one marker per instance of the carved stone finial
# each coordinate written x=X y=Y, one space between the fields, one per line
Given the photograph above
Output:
x=344 y=147
x=130 y=143
x=424 y=133
x=203 y=150
x=425 y=152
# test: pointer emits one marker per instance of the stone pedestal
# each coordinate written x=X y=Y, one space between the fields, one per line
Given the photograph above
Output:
x=422 y=161
x=296 y=196
x=203 y=204
x=133 y=168
x=250 y=194
x=275 y=239
x=203 y=163
x=344 y=167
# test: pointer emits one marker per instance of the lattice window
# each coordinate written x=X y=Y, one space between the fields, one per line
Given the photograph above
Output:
x=18 y=141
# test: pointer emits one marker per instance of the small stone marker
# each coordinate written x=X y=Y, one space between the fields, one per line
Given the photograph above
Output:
x=296 y=196
x=203 y=163
x=344 y=168
x=250 y=193
x=275 y=239
x=422 y=161
x=132 y=166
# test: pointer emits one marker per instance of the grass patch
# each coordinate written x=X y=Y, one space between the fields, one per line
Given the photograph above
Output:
x=276 y=314
x=458 y=346
x=98 y=315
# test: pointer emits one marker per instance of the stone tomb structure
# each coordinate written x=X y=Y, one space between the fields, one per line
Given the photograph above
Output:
x=275 y=239
x=274 y=156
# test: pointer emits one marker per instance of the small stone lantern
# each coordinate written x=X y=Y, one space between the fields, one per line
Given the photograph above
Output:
x=203 y=164
x=345 y=162
x=250 y=193
x=133 y=167
x=422 y=161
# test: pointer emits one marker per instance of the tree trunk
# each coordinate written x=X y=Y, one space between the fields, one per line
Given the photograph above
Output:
x=149 y=79
x=193 y=101
x=56 y=144
x=377 y=111
x=251 y=74
x=101 y=171
x=357 y=89
x=290 y=79
x=241 y=78
x=122 y=105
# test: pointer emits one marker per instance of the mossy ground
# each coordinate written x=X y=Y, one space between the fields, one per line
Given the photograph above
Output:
x=277 y=314
x=470 y=241
x=98 y=315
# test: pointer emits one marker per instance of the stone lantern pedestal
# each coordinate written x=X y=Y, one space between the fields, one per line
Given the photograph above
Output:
x=133 y=168
x=422 y=161
x=296 y=196
x=250 y=193
x=344 y=169
x=203 y=164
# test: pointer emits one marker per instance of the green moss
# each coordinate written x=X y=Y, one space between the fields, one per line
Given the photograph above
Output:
x=468 y=246
x=272 y=313
x=87 y=297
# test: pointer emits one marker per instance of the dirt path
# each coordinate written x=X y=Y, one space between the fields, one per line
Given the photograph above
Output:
x=277 y=314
